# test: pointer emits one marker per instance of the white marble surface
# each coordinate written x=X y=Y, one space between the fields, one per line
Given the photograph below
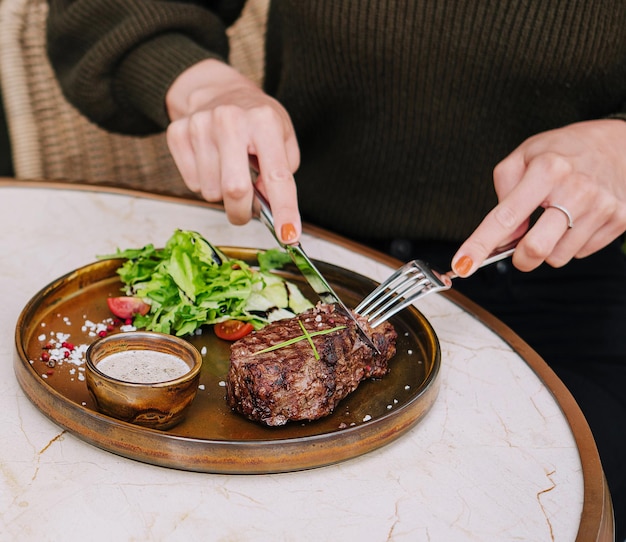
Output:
x=494 y=459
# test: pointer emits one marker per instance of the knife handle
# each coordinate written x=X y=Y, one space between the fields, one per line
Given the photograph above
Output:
x=265 y=214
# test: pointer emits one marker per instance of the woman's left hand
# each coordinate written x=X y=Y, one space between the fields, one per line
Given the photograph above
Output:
x=580 y=168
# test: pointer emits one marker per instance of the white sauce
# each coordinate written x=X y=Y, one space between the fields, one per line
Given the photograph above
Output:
x=143 y=366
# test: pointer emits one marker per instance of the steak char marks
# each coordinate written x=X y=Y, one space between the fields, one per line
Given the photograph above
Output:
x=290 y=383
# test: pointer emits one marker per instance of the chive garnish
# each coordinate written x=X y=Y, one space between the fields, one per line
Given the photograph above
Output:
x=307 y=336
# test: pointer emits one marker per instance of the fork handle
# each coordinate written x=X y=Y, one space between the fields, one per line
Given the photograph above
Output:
x=500 y=253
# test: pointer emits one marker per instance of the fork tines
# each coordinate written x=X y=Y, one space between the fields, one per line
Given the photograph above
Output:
x=410 y=282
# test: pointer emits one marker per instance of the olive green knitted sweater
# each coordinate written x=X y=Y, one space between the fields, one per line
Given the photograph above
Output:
x=402 y=108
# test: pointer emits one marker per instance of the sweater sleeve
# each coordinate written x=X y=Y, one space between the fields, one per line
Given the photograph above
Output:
x=116 y=59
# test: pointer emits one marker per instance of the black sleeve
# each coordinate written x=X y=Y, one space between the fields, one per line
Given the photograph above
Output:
x=116 y=59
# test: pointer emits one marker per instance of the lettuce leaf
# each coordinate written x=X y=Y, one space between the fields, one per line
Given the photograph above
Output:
x=190 y=283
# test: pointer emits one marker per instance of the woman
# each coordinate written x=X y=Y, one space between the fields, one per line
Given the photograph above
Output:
x=451 y=127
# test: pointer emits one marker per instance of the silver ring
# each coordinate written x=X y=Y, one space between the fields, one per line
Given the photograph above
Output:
x=570 y=220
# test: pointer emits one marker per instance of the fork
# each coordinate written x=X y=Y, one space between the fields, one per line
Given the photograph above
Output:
x=411 y=282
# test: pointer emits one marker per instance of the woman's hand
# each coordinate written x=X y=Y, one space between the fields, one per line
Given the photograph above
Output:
x=582 y=168
x=221 y=124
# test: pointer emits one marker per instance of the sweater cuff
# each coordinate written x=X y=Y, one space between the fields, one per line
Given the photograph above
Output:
x=146 y=74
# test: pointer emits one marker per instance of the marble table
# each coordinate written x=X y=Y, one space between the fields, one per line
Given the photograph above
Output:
x=503 y=454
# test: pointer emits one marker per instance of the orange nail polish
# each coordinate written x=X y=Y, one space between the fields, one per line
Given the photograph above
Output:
x=463 y=265
x=288 y=233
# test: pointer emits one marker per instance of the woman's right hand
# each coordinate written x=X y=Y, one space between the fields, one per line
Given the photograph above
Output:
x=221 y=122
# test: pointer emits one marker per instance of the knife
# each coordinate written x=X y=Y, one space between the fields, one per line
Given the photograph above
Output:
x=308 y=269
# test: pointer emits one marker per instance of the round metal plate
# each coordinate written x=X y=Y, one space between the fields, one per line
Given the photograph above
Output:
x=213 y=438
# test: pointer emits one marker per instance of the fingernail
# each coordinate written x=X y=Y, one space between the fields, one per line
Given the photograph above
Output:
x=463 y=265
x=288 y=233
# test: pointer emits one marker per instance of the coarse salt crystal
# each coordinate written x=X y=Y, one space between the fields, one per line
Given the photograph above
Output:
x=367 y=418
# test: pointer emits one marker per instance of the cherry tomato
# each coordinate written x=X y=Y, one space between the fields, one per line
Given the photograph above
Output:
x=126 y=307
x=232 y=330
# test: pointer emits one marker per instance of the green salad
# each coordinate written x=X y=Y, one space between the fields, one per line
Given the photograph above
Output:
x=190 y=283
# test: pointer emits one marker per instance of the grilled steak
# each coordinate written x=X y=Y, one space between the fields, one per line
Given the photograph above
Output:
x=292 y=382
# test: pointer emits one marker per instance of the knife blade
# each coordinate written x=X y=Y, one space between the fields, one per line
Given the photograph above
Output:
x=309 y=270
